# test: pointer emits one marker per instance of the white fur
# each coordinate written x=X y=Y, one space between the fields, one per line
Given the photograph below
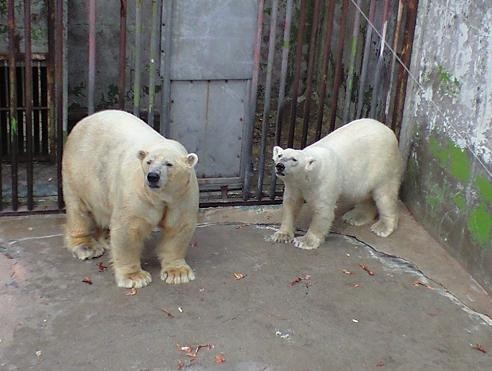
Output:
x=106 y=160
x=359 y=162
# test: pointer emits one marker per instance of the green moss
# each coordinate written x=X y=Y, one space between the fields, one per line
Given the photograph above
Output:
x=484 y=186
x=459 y=201
x=480 y=226
x=451 y=158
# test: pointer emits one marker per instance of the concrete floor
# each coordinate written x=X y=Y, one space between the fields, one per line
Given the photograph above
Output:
x=423 y=313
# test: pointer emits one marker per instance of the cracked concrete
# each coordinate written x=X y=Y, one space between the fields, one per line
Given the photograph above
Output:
x=419 y=311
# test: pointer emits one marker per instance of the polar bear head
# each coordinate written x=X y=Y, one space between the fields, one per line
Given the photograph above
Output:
x=291 y=163
x=166 y=170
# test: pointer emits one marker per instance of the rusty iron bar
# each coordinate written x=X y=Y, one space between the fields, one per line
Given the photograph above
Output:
x=266 y=104
x=406 y=54
x=2 y=139
x=152 y=62
x=50 y=117
x=59 y=95
x=365 y=59
x=28 y=99
x=297 y=72
x=92 y=56
x=253 y=91
x=281 y=92
x=350 y=73
x=328 y=29
x=338 y=65
x=165 y=68
x=138 y=53
x=379 y=66
x=13 y=120
x=310 y=70
x=122 y=56
x=396 y=40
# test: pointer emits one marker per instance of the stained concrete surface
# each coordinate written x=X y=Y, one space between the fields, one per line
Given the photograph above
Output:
x=332 y=320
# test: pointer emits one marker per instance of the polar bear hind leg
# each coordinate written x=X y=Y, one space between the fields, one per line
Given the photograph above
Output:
x=79 y=230
x=386 y=198
x=363 y=213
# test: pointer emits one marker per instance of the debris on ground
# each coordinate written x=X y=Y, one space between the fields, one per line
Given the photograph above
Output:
x=239 y=276
x=355 y=285
x=420 y=283
x=87 y=280
x=478 y=347
x=169 y=314
x=282 y=334
x=181 y=364
x=180 y=310
x=306 y=278
x=194 y=244
x=347 y=272
x=355 y=320
x=192 y=350
x=219 y=359
x=380 y=364
x=131 y=292
x=364 y=267
x=38 y=353
x=101 y=267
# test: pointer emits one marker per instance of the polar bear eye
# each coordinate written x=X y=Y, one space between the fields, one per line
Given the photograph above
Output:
x=149 y=162
x=294 y=159
x=168 y=164
x=280 y=155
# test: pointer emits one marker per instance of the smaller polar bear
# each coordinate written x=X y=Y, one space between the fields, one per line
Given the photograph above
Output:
x=122 y=177
x=360 y=162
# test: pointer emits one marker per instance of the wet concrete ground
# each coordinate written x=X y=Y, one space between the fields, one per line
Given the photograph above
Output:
x=293 y=310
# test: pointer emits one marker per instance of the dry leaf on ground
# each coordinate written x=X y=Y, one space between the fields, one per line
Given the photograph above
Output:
x=131 y=292
x=238 y=276
x=380 y=364
x=479 y=347
x=364 y=267
x=101 y=267
x=347 y=272
x=219 y=358
x=169 y=314
x=87 y=280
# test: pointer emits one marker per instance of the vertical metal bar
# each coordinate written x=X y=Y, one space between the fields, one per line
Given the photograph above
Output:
x=138 y=52
x=365 y=60
x=339 y=65
x=59 y=95
x=396 y=40
x=122 y=56
x=92 y=56
x=152 y=63
x=2 y=136
x=377 y=75
x=353 y=52
x=253 y=91
x=330 y=7
x=297 y=72
x=28 y=99
x=281 y=92
x=401 y=82
x=266 y=104
x=309 y=75
x=48 y=120
x=167 y=24
x=13 y=122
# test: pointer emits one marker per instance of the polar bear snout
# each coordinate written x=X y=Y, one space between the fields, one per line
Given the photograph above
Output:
x=280 y=168
x=153 y=179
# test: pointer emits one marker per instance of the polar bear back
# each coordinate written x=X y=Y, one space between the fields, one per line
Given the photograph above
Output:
x=368 y=153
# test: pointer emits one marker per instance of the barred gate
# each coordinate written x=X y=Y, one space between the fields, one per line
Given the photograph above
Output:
x=229 y=79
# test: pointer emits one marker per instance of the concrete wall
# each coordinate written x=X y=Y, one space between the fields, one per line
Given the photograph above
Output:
x=447 y=129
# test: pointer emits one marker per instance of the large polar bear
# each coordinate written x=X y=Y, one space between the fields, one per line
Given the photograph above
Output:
x=359 y=162
x=121 y=175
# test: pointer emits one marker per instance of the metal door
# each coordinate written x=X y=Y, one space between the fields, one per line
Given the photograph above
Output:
x=206 y=66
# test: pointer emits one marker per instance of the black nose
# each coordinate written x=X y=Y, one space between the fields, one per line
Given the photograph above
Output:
x=153 y=177
x=280 y=166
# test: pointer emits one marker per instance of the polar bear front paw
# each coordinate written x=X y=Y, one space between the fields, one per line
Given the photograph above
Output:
x=307 y=242
x=282 y=237
x=176 y=274
x=382 y=229
x=84 y=252
x=137 y=280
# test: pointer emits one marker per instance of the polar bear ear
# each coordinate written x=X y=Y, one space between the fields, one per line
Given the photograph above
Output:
x=276 y=151
x=142 y=154
x=191 y=159
x=310 y=162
